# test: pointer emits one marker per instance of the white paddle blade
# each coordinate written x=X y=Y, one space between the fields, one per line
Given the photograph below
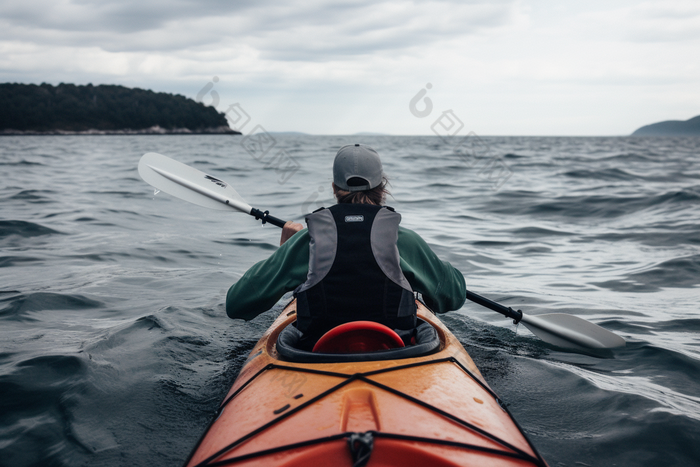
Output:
x=571 y=332
x=189 y=184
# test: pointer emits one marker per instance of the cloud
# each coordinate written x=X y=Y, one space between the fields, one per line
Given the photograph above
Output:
x=295 y=30
x=652 y=21
x=396 y=27
x=269 y=43
x=120 y=17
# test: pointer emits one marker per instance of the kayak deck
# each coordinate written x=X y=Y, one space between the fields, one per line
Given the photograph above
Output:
x=430 y=410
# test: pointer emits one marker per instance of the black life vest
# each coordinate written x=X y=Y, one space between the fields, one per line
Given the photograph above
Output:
x=354 y=271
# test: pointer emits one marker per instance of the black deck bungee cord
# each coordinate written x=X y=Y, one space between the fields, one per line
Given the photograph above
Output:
x=348 y=436
x=517 y=453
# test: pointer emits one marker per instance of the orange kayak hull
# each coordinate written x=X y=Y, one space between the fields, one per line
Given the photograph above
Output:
x=434 y=410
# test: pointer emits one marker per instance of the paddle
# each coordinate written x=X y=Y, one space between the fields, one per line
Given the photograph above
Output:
x=189 y=184
x=562 y=330
x=185 y=182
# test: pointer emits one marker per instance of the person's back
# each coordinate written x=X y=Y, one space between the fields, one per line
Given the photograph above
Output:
x=354 y=271
x=360 y=265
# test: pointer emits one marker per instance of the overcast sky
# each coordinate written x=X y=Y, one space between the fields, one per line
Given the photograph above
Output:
x=339 y=67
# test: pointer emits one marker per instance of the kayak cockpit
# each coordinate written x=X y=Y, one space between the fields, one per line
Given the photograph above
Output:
x=427 y=341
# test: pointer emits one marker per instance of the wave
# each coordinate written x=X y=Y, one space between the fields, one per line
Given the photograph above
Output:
x=682 y=272
x=24 y=305
x=8 y=261
x=33 y=196
x=524 y=203
x=614 y=174
x=24 y=229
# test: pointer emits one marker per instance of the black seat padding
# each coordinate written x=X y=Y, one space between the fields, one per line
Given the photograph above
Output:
x=427 y=342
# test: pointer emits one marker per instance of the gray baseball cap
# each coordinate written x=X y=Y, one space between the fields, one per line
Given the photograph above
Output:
x=358 y=164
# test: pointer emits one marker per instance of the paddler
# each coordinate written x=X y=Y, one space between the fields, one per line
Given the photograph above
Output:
x=352 y=263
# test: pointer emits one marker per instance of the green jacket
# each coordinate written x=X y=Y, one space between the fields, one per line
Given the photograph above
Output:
x=442 y=286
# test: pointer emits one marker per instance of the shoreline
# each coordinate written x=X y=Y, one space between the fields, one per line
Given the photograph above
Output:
x=126 y=132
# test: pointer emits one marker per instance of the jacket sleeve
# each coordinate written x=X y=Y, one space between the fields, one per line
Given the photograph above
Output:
x=442 y=286
x=265 y=283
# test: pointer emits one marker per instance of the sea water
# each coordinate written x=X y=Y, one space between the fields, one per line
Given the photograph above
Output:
x=115 y=348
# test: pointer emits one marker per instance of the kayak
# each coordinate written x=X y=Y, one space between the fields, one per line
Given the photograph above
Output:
x=418 y=403
x=425 y=404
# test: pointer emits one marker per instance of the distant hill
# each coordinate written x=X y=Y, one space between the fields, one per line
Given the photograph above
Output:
x=103 y=109
x=671 y=128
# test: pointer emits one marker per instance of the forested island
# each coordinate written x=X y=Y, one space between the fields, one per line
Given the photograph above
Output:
x=689 y=127
x=32 y=109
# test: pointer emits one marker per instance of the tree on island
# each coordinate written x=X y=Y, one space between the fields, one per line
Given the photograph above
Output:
x=71 y=108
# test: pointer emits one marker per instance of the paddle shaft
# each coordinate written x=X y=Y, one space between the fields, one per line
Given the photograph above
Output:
x=507 y=311
x=266 y=217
